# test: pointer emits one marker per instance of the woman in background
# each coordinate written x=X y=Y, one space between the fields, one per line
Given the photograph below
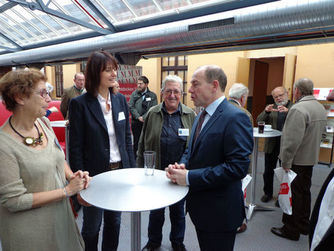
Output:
x=35 y=181
x=100 y=141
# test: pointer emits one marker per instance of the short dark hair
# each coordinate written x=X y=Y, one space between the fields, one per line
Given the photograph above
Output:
x=97 y=63
x=19 y=83
x=214 y=72
x=144 y=79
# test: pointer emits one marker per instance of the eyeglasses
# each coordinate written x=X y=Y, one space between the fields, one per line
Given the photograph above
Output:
x=279 y=95
x=44 y=93
x=169 y=92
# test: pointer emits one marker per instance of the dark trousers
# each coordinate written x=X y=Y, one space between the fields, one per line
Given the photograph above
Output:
x=299 y=221
x=209 y=241
x=177 y=219
x=92 y=218
x=270 y=162
x=136 y=127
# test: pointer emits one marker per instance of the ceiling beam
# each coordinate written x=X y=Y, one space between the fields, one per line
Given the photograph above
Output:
x=100 y=15
x=39 y=5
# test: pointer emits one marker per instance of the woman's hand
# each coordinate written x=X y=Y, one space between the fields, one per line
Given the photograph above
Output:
x=75 y=185
x=82 y=201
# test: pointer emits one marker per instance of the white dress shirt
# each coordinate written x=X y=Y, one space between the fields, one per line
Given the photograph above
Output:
x=115 y=156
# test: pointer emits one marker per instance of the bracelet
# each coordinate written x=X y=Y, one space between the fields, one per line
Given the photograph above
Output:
x=66 y=194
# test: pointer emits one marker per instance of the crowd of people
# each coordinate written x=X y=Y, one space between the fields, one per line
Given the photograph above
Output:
x=210 y=153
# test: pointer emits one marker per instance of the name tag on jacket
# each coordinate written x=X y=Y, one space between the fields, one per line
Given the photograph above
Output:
x=121 y=116
x=183 y=132
x=148 y=99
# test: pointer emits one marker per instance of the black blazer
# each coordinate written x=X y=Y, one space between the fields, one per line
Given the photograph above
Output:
x=327 y=242
x=89 y=147
x=217 y=163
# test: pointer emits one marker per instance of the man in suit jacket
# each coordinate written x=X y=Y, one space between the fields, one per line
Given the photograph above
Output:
x=215 y=162
x=321 y=236
x=274 y=115
x=76 y=90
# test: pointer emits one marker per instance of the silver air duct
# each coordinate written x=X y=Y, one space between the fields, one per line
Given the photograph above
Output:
x=285 y=22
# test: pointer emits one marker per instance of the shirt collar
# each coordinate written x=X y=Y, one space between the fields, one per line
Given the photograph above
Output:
x=210 y=109
x=102 y=99
x=163 y=108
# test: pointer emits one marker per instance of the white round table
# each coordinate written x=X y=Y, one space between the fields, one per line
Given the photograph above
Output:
x=256 y=135
x=130 y=190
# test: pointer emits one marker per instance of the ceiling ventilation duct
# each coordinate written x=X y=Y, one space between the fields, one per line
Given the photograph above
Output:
x=283 y=22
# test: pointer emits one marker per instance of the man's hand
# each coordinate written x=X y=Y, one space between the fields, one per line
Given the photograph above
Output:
x=270 y=108
x=141 y=119
x=282 y=108
x=177 y=174
x=286 y=169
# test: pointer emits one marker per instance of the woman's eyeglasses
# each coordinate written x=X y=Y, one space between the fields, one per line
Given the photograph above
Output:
x=44 y=93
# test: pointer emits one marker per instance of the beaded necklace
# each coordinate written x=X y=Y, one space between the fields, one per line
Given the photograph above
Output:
x=29 y=141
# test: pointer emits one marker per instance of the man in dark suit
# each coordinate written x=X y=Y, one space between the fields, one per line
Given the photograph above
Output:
x=321 y=236
x=215 y=162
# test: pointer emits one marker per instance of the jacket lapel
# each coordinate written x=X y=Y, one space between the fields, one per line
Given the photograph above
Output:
x=95 y=109
x=208 y=125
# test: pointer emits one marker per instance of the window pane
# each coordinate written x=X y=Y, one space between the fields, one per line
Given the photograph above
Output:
x=165 y=61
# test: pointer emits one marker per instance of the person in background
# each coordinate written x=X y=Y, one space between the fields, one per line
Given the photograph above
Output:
x=117 y=88
x=166 y=131
x=52 y=109
x=238 y=95
x=35 y=180
x=141 y=100
x=300 y=146
x=77 y=89
x=330 y=96
x=274 y=115
x=215 y=162
x=100 y=141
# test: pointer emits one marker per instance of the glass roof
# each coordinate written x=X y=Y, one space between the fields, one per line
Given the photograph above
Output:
x=26 y=24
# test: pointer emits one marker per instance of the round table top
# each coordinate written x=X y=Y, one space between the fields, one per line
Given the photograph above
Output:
x=130 y=190
x=266 y=134
x=58 y=123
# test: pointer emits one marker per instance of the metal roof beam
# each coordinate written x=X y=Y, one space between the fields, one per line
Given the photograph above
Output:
x=41 y=7
x=10 y=40
x=7 y=6
x=100 y=15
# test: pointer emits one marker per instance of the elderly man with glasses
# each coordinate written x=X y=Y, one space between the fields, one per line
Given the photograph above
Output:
x=166 y=131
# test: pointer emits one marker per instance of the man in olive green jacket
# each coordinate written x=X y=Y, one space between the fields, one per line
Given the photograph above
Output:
x=141 y=100
x=166 y=131
x=274 y=115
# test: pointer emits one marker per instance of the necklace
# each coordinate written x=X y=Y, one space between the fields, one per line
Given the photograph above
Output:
x=29 y=141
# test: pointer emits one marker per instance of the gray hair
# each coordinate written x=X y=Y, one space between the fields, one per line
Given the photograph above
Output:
x=238 y=90
x=172 y=78
x=305 y=86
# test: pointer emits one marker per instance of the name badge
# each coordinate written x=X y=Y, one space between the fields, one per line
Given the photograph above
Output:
x=184 y=132
x=148 y=99
x=121 y=116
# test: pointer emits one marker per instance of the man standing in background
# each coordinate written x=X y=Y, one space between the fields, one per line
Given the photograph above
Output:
x=274 y=115
x=76 y=90
x=300 y=146
x=141 y=100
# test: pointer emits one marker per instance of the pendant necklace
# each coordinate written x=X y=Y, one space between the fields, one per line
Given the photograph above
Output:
x=29 y=141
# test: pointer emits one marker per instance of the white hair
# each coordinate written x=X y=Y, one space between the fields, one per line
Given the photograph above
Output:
x=172 y=78
x=237 y=90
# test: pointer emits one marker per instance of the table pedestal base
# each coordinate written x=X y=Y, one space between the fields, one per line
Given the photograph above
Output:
x=253 y=207
x=135 y=231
